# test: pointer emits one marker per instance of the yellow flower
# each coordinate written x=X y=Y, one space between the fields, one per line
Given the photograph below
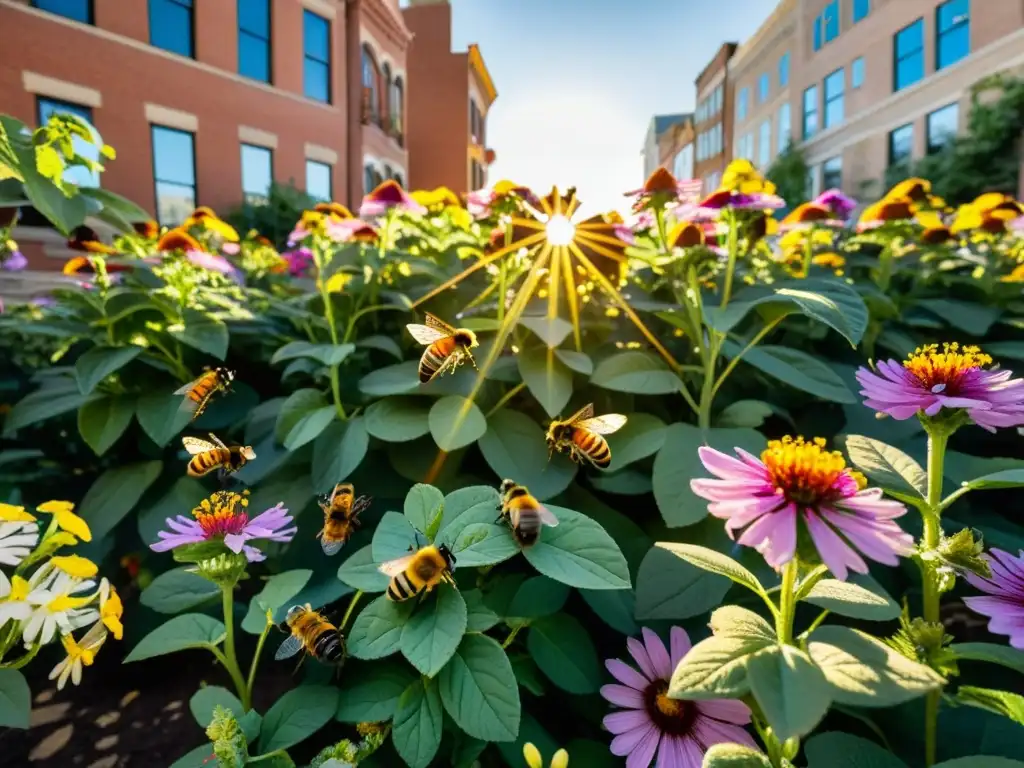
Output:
x=1017 y=276
x=533 y=759
x=66 y=519
x=12 y=514
x=78 y=655
x=741 y=176
x=436 y=200
x=111 y=609
x=75 y=566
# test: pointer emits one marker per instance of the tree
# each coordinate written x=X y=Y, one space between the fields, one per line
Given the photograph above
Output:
x=789 y=174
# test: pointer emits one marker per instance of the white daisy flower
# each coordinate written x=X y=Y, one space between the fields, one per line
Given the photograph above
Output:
x=14 y=603
x=79 y=655
x=17 y=540
x=58 y=605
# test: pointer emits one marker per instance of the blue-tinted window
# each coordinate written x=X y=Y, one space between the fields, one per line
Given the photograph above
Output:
x=316 y=48
x=831 y=21
x=857 y=72
x=174 y=174
x=861 y=8
x=953 y=32
x=254 y=39
x=810 y=111
x=832 y=173
x=78 y=174
x=908 y=55
x=785 y=132
x=763 y=88
x=901 y=144
x=257 y=173
x=170 y=26
x=764 y=144
x=79 y=10
x=817 y=33
x=942 y=127
x=834 y=87
x=784 y=70
x=318 y=180
x=742 y=103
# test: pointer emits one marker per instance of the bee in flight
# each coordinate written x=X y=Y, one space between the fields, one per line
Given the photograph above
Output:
x=321 y=639
x=582 y=435
x=207 y=457
x=341 y=517
x=198 y=393
x=446 y=347
x=523 y=513
x=419 y=572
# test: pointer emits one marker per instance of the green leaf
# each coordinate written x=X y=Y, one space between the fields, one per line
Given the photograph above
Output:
x=551 y=330
x=642 y=436
x=278 y=590
x=209 y=696
x=370 y=692
x=1004 y=655
x=433 y=633
x=190 y=630
x=328 y=354
x=200 y=757
x=580 y=553
x=792 y=692
x=455 y=422
x=715 y=562
x=204 y=332
x=848 y=599
x=480 y=544
x=889 y=467
x=669 y=587
x=398 y=419
x=864 y=672
x=383 y=343
x=338 y=451
x=304 y=415
x=843 y=750
x=361 y=572
x=626 y=482
x=537 y=596
x=417 y=725
x=102 y=421
x=736 y=621
x=564 y=652
x=15 y=699
x=798 y=369
x=1013 y=350
x=99 y=362
x=479 y=618
x=115 y=493
x=577 y=361
x=161 y=416
x=479 y=690
x=422 y=504
x=514 y=448
x=745 y=413
x=297 y=715
x=177 y=590
x=981 y=761
x=734 y=756
x=393 y=537
x=397 y=379
x=43 y=404
x=547 y=377
x=638 y=372
x=616 y=608
x=677 y=462
x=1008 y=478
x=1009 y=705
x=458 y=503
x=975 y=319
x=377 y=630
x=716 y=667
x=180 y=499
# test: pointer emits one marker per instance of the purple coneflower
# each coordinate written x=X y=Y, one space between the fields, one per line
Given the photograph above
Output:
x=344 y=230
x=725 y=198
x=298 y=260
x=223 y=517
x=1005 y=604
x=931 y=380
x=650 y=722
x=839 y=204
x=797 y=482
x=15 y=262
x=389 y=195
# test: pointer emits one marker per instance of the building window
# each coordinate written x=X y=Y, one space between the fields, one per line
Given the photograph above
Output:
x=742 y=103
x=908 y=55
x=857 y=72
x=385 y=102
x=174 y=174
x=784 y=70
x=745 y=146
x=371 y=178
x=78 y=10
x=399 y=180
x=834 y=86
x=388 y=173
x=474 y=122
x=318 y=180
x=316 y=53
x=901 y=144
x=76 y=174
x=810 y=111
x=397 y=102
x=257 y=173
x=953 y=32
x=764 y=144
x=861 y=8
x=813 y=185
x=371 y=93
x=832 y=173
x=785 y=136
x=763 y=88
x=170 y=26
x=254 y=39
x=943 y=125
x=826 y=25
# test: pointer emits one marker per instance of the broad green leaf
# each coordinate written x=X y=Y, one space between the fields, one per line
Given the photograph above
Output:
x=745 y=413
x=370 y=692
x=278 y=590
x=230 y=409
x=361 y=572
x=328 y=354
x=44 y=404
x=161 y=416
x=642 y=436
x=297 y=715
x=115 y=493
x=299 y=404
x=338 y=451
x=99 y=362
x=981 y=761
x=736 y=621
x=417 y=724
x=177 y=590
x=398 y=419
x=551 y=330
x=461 y=501
x=625 y=482
x=975 y=319
x=670 y=587
x=102 y=421
x=209 y=696
x=433 y=633
x=843 y=750
x=677 y=463
x=638 y=372
x=716 y=668
x=1004 y=655
x=397 y=379
x=792 y=692
x=190 y=630
x=616 y=608
x=1014 y=350
x=422 y=504
x=1009 y=705
x=537 y=596
x=200 y=757
x=480 y=544
x=180 y=499
x=383 y=343
x=479 y=618
x=734 y=756
x=15 y=699
x=1008 y=478
x=377 y=630
x=853 y=600
x=798 y=369
x=455 y=422
x=479 y=690
x=204 y=332
x=577 y=361
x=889 y=467
x=547 y=377
x=564 y=652
x=864 y=672
x=393 y=538
x=514 y=448
x=713 y=561
x=309 y=426
x=579 y=552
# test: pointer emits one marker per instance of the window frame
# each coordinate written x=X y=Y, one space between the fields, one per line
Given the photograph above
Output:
x=370 y=79
x=156 y=181
x=270 y=155
x=825 y=122
x=78 y=110
x=897 y=59
x=910 y=154
x=784 y=70
x=191 y=7
x=764 y=88
x=268 y=40
x=764 y=148
x=90 y=12
x=826 y=18
x=929 y=147
x=952 y=29
x=854 y=83
x=307 y=57
x=825 y=172
x=865 y=5
x=804 y=112
x=330 y=179
x=786 y=108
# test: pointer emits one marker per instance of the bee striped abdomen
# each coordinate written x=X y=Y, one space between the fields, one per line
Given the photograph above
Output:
x=593 y=446
x=434 y=356
x=527 y=528
x=328 y=645
x=204 y=463
x=400 y=588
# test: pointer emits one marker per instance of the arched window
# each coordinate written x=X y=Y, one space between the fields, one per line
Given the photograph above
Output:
x=400 y=180
x=385 y=88
x=368 y=179
x=397 y=101
x=388 y=173
x=371 y=87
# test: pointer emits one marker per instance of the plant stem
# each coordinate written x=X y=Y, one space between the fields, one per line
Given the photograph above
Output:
x=351 y=607
x=275 y=753
x=332 y=327
x=511 y=636
x=229 y=658
x=733 y=243
x=506 y=397
x=256 y=660
x=707 y=390
x=937 y=441
x=503 y=273
x=768 y=328
x=787 y=602
x=808 y=251
x=19 y=663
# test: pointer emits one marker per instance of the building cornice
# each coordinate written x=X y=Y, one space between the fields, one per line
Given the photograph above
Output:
x=483 y=75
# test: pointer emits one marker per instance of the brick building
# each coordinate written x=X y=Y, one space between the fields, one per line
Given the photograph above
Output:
x=713 y=118
x=676 y=148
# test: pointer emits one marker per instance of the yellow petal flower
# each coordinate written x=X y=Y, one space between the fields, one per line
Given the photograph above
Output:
x=55 y=507
x=66 y=519
x=75 y=565
x=63 y=603
x=19 y=589
x=532 y=755
x=61 y=539
x=560 y=759
x=12 y=514
x=110 y=614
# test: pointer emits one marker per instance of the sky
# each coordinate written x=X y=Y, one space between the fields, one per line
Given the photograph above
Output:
x=578 y=81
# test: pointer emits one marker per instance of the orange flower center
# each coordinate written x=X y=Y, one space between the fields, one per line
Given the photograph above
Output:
x=217 y=515
x=669 y=707
x=673 y=716
x=804 y=471
x=943 y=371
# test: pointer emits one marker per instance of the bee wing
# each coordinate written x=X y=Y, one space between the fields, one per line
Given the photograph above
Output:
x=547 y=516
x=424 y=334
x=288 y=648
x=360 y=505
x=196 y=446
x=217 y=441
x=440 y=325
x=184 y=390
x=604 y=425
x=586 y=412
x=331 y=547
x=395 y=567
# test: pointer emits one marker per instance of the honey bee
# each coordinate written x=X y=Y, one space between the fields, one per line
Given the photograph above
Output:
x=447 y=347
x=581 y=435
x=207 y=457
x=321 y=639
x=524 y=514
x=341 y=517
x=199 y=392
x=419 y=572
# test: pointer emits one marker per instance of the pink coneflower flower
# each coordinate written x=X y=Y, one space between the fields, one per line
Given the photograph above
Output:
x=223 y=517
x=503 y=197
x=231 y=249
x=931 y=380
x=797 y=482
x=344 y=230
x=680 y=732
x=389 y=195
x=1005 y=606
x=839 y=204
x=725 y=198
x=662 y=189
x=210 y=261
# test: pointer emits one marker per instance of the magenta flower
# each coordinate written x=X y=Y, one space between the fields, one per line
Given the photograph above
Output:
x=223 y=517
x=387 y=196
x=725 y=198
x=298 y=261
x=840 y=205
x=344 y=230
x=482 y=202
x=797 y=482
x=1005 y=604
x=650 y=722
x=954 y=378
